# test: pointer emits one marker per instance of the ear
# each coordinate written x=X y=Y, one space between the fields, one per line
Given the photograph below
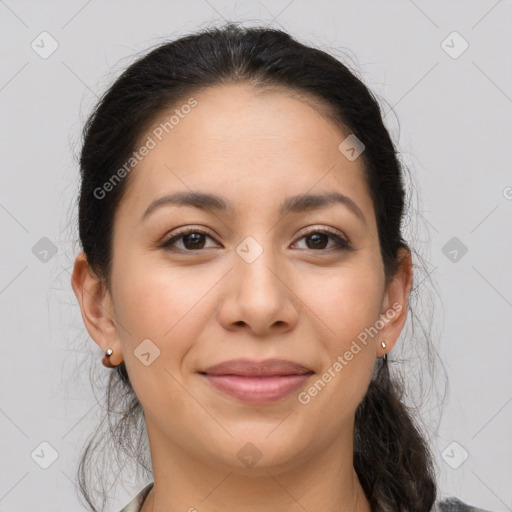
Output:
x=96 y=307
x=395 y=302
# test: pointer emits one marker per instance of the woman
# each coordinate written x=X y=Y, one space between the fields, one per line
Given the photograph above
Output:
x=244 y=272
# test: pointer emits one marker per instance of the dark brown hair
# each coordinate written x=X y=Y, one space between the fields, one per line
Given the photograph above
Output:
x=391 y=456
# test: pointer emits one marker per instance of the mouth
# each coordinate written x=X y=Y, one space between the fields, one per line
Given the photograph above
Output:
x=257 y=382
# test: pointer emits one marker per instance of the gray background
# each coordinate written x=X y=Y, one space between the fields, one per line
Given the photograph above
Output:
x=455 y=132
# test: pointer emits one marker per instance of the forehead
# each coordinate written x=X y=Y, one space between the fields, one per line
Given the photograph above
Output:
x=249 y=144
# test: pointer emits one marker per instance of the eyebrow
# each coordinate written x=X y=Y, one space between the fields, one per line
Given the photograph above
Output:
x=293 y=204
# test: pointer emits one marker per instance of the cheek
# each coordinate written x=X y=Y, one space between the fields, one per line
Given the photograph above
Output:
x=161 y=303
x=164 y=306
x=344 y=307
x=346 y=301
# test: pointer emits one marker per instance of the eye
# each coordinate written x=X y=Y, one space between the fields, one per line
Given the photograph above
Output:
x=319 y=239
x=193 y=239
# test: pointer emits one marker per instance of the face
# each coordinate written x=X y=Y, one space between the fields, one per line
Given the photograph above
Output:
x=194 y=286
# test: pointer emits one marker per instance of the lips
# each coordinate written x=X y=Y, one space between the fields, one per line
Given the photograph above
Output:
x=266 y=368
x=257 y=382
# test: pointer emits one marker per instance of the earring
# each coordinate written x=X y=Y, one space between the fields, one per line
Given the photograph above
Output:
x=385 y=356
x=106 y=359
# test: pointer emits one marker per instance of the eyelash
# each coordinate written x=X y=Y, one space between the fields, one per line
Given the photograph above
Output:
x=342 y=244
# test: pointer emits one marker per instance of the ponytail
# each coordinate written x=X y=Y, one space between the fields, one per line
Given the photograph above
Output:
x=391 y=458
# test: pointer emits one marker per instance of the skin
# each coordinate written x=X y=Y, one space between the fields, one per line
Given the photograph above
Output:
x=295 y=301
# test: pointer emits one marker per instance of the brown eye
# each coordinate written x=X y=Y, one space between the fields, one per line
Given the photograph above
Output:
x=192 y=240
x=319 y=240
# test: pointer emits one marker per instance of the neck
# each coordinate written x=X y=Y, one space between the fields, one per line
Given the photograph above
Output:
x=322 y=483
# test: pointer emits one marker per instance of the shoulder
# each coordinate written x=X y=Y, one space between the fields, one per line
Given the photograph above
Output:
x=136 y=504
x=453 y=504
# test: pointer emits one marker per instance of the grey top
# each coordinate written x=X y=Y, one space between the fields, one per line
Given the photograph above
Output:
x=451 y=504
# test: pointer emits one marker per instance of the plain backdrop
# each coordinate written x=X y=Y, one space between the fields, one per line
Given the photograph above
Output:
x=444 y=67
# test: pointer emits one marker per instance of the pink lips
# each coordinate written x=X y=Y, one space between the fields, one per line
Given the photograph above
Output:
x=257 y=382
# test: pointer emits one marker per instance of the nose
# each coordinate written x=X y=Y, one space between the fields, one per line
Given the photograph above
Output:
x=258 y=296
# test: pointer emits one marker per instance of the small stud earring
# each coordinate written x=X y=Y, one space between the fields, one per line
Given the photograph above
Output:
x=385 y=356
x=106 y=359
